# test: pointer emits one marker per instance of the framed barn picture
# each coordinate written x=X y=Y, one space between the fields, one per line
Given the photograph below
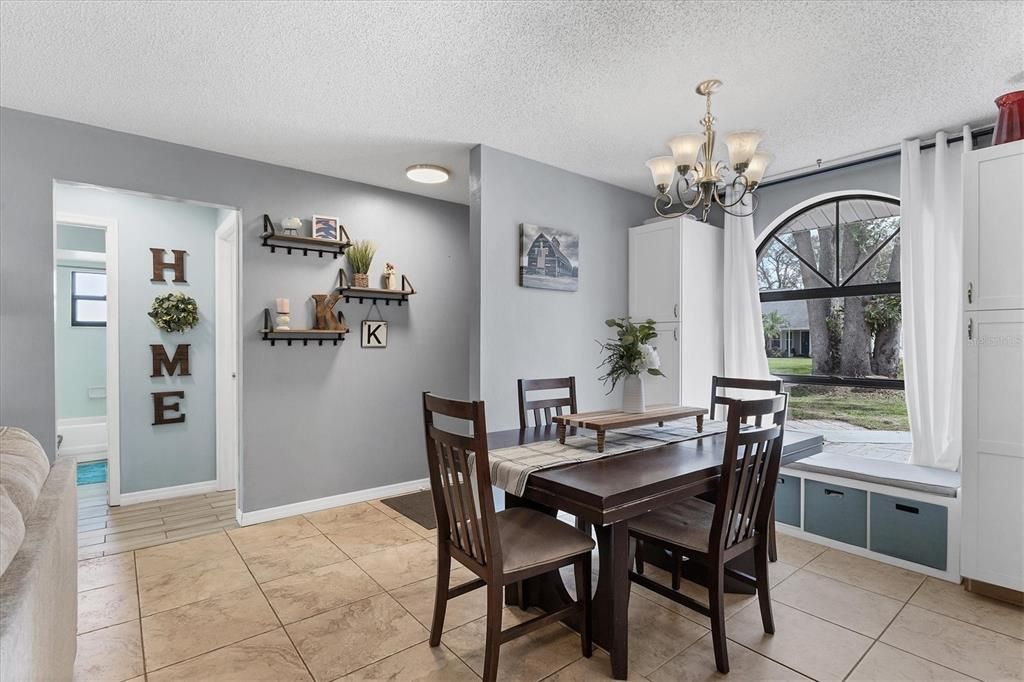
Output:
x=374 y=334
x=549 y=258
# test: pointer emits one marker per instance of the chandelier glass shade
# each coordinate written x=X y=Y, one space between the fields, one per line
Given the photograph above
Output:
x=701 y=181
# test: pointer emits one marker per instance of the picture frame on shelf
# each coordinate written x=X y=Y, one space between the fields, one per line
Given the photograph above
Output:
x=327 y=228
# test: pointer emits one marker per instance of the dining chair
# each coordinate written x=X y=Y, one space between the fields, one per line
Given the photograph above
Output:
x=501 y=548
x=737 y=522
x=773 y=386
x=535 y=406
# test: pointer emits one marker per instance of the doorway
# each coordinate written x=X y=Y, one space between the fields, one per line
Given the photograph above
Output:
x=86 y=347
x=170 y=412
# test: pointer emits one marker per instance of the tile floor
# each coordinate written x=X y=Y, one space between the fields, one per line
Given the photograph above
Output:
x=347 y=594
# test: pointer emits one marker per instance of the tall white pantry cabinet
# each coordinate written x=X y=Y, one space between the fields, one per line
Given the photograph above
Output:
x=675 y=279
x=993 y=374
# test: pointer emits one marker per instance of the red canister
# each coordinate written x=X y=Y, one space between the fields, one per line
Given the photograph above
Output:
x=1010 y=122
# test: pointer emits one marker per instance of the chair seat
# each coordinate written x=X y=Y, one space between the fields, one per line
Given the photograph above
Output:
x=686 y=524
x=530 y=538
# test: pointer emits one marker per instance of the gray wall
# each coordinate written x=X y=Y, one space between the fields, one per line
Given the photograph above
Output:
x=519 y=332
x=167 y=454
x=315 y=421
x=882 y=175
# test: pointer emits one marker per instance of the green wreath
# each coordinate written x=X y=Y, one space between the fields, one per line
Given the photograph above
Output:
x=175 y=312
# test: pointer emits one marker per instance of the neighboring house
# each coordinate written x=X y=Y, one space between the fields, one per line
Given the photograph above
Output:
x=546 y=258
x=795 y=337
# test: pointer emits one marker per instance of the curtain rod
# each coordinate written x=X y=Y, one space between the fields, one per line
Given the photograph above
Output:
x=975 y=134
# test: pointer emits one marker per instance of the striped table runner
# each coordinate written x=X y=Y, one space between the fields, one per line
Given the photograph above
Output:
x=511 y=467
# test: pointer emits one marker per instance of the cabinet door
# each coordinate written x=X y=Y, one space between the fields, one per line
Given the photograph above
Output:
x=994 y=227
x=993 y=458
x=654 y=271
x=665 y=390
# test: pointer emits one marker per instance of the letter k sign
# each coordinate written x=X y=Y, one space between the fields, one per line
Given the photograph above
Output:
x=375 y=334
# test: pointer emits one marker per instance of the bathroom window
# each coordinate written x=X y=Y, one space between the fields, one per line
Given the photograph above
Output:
x=88 y=299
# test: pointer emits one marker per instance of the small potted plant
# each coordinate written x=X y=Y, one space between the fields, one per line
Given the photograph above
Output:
x=628 y=357
x=390 y=278
x=360 y=255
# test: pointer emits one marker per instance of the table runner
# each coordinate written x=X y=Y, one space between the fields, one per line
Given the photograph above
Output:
x=511 y=467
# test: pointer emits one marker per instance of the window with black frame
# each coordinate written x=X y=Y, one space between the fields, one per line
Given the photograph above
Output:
x=829 y=276
x=88 y=298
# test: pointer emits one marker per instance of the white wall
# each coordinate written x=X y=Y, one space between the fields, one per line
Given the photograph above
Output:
x=518 y=332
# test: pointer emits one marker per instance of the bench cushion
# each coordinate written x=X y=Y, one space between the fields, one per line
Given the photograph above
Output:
x=883 y=472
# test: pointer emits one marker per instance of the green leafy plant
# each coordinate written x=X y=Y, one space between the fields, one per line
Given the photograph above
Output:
x=175 y=312
x=630 y=353
x=360 y=255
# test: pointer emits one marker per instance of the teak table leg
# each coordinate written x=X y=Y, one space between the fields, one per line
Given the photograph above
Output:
x=561 y=433
x=700 y=423
x=600 y=440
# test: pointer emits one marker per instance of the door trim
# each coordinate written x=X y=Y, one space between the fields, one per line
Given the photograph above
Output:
x=227 y=277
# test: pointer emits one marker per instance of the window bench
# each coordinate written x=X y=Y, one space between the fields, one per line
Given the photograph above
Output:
x=896 y=513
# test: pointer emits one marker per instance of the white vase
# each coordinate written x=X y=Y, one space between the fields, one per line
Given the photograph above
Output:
x=633 y=394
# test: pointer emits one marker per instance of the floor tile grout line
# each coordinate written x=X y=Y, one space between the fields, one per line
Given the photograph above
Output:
x=272 y=609
x=925 y=658
x=138 y=601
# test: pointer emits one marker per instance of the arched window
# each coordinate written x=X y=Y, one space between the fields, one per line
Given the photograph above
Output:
x=829 y=274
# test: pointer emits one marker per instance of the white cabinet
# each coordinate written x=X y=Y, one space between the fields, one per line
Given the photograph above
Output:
x=993 y=373
x=654 y=260
x=675 y=278
x=994 y=227
x=993 y=466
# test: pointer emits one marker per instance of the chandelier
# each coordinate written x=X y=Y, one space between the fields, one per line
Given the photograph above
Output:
x=702 y=181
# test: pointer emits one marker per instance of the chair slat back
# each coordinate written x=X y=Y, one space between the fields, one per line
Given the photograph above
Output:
x=773 y=386
x=544 y=406
x=460 y=481
x=749 y=470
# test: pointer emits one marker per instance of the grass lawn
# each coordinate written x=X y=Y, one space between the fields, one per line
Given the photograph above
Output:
x=875 y=409
x=789 y=365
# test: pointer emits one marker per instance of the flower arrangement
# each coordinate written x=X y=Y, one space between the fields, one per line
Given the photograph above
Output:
x=389 y=269
x=175 y=312
x=631 y=352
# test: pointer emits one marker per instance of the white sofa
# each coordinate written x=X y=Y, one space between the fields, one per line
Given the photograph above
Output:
x=38 y=561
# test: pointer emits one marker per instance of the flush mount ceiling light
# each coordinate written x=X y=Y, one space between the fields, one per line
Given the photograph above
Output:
x=700 y=180
x=428 y=173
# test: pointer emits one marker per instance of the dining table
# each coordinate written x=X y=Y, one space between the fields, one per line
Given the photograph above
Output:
x=606 y=493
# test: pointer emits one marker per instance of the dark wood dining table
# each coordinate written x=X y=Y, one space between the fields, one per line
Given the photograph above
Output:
x=607 y=493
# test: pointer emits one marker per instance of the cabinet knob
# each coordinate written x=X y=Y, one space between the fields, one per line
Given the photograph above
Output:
x=970 y=292
x=970 y=328
x=675 y=311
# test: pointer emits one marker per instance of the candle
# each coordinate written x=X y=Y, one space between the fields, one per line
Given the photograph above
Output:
x=282 y=305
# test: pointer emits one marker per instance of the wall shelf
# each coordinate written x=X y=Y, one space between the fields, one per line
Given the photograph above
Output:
x=373 y=294
x=320 y=336
x=274 y=241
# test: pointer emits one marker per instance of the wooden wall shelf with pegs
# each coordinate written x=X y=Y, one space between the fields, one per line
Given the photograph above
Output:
x=373 y=294
x=274 y=240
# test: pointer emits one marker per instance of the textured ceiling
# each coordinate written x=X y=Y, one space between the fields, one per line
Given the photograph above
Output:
x=362 y=90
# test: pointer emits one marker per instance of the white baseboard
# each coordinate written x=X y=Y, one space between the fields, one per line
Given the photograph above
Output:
x=83 y=435
x=320 y=503
x=165 y=493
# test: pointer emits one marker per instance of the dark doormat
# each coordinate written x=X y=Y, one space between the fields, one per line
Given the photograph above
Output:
x=417 y=506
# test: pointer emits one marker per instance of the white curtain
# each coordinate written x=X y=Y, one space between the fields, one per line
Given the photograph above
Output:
x=931 y=262
x=741 y=301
